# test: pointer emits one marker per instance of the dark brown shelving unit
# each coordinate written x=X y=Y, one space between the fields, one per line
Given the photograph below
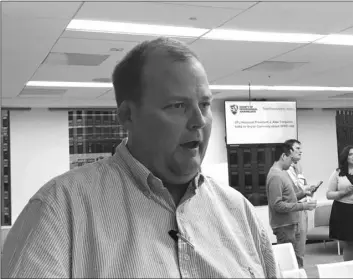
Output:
x=5 y=169
x=344 y=128
x=248 y=166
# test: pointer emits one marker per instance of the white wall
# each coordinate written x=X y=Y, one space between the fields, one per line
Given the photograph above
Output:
x=39 y=152
x=217 y=152
x=316 y=131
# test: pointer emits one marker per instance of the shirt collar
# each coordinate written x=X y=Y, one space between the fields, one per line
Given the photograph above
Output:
x=143 y=175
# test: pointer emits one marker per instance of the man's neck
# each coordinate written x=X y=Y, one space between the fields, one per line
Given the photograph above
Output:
x=177 y=191
x=278 y=165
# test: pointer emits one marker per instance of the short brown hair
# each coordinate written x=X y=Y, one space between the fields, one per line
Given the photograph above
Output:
x=128 y=73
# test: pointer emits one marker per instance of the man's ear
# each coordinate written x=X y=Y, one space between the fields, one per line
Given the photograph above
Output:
x=125 y=114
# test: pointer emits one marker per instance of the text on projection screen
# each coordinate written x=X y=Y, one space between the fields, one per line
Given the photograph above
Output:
x=260 y=122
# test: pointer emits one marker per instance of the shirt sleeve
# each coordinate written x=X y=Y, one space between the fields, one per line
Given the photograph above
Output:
x=266 y=254
x=333 y=182
x=271 y=267
x=37 y=246
x=275 y=197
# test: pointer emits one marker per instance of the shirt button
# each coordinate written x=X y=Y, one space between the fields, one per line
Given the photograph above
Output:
x=186 y=257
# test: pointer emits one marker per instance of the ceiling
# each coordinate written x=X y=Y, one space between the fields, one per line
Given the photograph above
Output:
x=37 y=46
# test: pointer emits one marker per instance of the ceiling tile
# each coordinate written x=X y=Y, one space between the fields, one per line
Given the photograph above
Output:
x=109 y=95
x=342 y=96
x=256 y=78
x=235 y=5
x=42 y=92
x=92 y=46
x=274 y=66
x=25 y=44
x=348 y=31
x=58 y=10
x=75 y=59
x=334 y=76
x=156 y=13
x=84 y=93
x=69 y=73
x=305 y=17
x=320 y=58
x=222 y=58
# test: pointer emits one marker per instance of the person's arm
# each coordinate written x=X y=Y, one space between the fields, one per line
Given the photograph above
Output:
x=300 y=194
x=332 y=190
x=275 y=197
x=38 y=245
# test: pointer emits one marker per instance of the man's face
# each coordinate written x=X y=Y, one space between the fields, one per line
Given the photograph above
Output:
x=171 y=129
x=296 y=152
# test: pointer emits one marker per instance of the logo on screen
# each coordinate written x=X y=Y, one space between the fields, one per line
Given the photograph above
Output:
x=234 y=109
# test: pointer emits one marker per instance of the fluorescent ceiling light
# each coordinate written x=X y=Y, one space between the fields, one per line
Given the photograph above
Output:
x=212 y=86
x=345 y=40
x=69 y=84
x=213 y=34
x=252 y=36
x=281 y=88
x=134 y=28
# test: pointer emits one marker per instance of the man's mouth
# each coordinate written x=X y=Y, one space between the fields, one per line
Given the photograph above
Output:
x=191 y=144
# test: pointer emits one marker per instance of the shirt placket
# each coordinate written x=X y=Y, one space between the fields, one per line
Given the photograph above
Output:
x=185 y=247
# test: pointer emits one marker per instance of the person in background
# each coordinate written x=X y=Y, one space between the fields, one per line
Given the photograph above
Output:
x=340 y=190
x=283 y=202
x=301 y=188
x=147 y=211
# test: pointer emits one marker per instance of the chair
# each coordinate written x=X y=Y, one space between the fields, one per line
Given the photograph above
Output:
x=336 y=270
x=287 y=261
x=294 y=273
x=285 y=256
x=321 y=225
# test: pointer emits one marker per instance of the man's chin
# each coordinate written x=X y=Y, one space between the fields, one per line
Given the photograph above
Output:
x=185 y=171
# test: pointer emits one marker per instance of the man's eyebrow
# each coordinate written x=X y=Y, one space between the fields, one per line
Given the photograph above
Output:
x=180 y=98
x=207 y=98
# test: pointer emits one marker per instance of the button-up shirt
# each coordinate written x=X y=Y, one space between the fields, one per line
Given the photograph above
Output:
x=111 y=219
x=299 y=182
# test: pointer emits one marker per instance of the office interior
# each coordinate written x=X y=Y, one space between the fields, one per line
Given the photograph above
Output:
x=307 y=45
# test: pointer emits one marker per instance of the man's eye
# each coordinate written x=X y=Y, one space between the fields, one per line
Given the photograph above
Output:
x=205 y=104
x=177 y=106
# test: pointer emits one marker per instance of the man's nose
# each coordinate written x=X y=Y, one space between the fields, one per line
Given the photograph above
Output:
x=197 y=119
